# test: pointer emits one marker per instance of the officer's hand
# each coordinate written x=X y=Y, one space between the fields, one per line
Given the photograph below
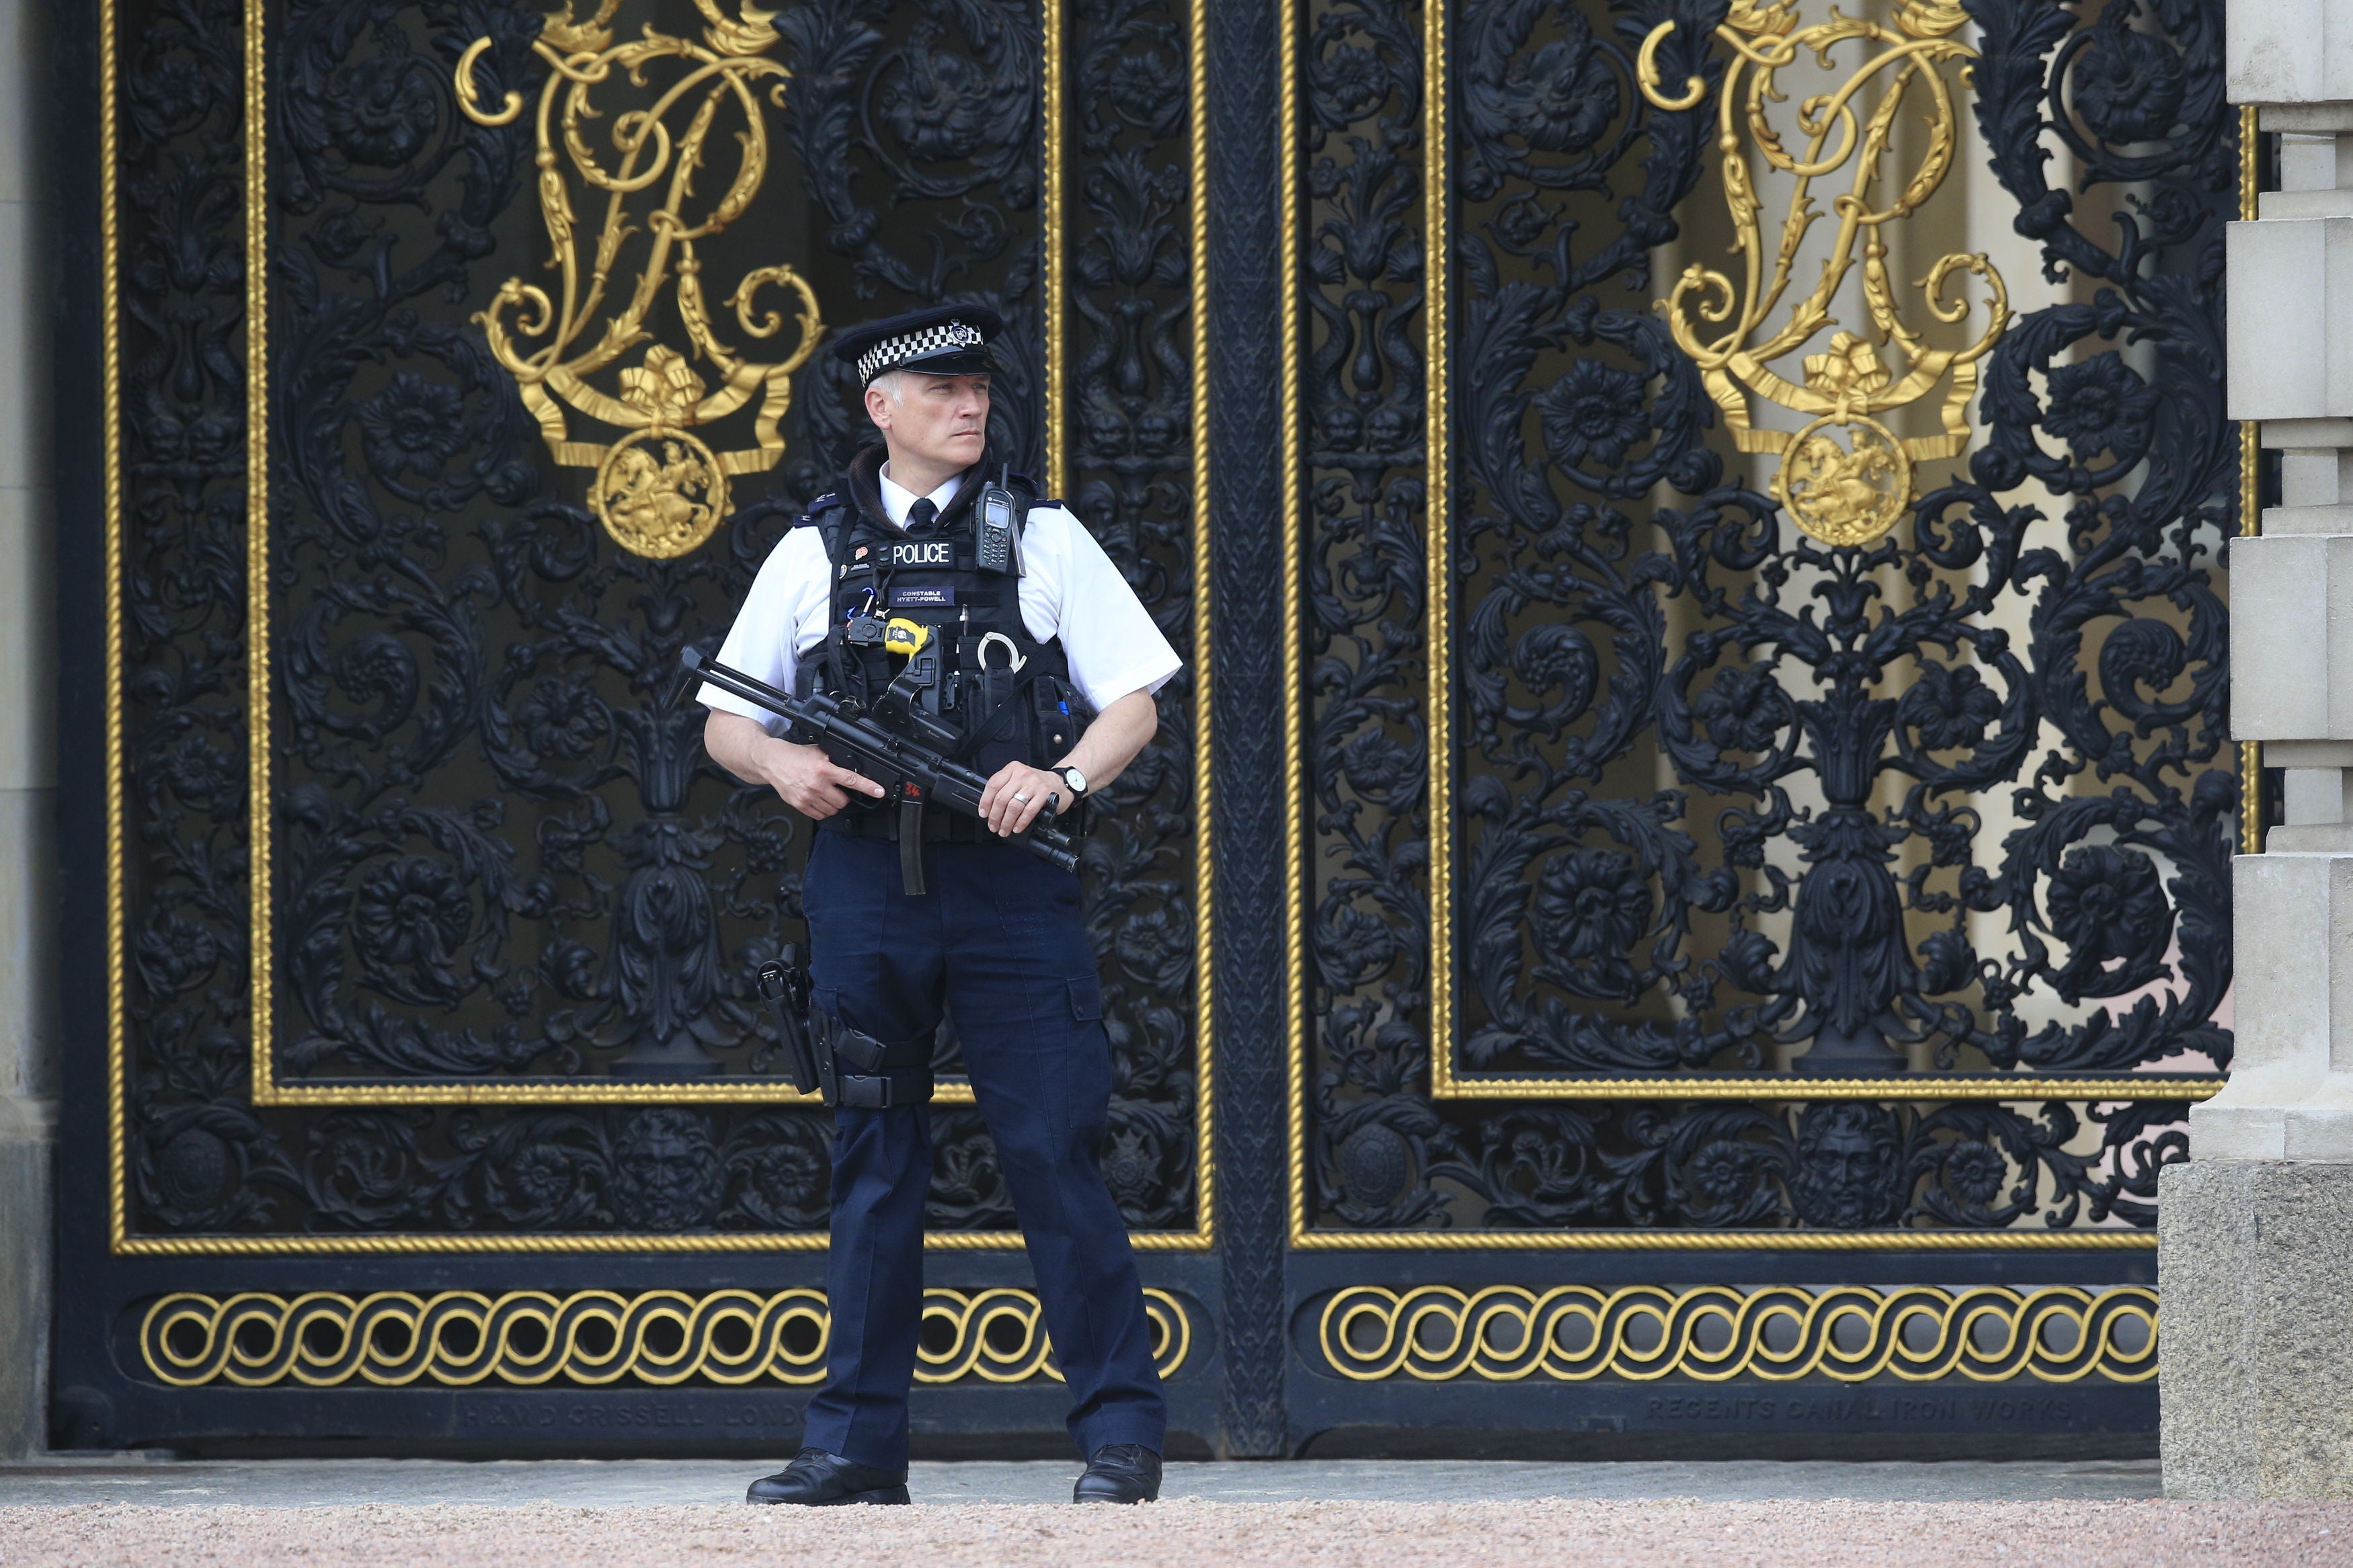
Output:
x=1001 y=806
x=809 y=781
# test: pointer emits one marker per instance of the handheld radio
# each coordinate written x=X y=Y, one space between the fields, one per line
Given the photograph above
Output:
x=998 y=548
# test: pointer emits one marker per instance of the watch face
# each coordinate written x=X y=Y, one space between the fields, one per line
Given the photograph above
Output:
x=1076 y=780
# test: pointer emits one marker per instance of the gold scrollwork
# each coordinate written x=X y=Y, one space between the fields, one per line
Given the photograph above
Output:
x=1573 y=1333
x=660 y=490
x=323 y=1339
x=1845 y=477
x=999 y=1336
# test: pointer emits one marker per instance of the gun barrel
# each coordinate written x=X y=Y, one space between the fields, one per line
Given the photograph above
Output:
x=783 y=709
x=734 y=680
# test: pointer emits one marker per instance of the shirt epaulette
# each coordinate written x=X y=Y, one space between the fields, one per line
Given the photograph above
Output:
x=824 y=503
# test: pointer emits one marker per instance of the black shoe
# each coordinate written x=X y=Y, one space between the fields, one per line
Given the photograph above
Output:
x=1124 y=1472
x=819 y=1478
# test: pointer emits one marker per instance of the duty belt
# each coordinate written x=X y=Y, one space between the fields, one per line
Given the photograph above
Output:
x=867 y=1074
x=939 y=826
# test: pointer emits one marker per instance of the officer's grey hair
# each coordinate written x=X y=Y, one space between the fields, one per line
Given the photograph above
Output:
x=891 y=383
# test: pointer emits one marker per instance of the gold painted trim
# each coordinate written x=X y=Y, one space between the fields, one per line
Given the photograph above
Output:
x=1437 y=557
x=1444 y=1082
x=559 y=1091
x=1953 y=1087
x=111 y=427
x=1434 y=1333
x=404 y=1244
x=2250 y=130
x=1724 y=1240
x=265 y=1088
x=1205 y=877
x=2251 y=515
x=260 y=957
x=1049 y=232
x=325 y=1339
x=1297 y=880
x=1895 y=1086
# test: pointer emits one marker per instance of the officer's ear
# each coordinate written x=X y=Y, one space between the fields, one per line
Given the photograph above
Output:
x=879 y=406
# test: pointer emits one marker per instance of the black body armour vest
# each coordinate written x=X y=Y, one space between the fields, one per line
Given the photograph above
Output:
x=926 y=639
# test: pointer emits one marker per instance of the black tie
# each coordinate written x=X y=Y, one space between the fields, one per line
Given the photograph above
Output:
x=920 y=515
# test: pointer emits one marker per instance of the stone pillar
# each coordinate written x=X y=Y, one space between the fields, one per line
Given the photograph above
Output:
x=29 y=678
x=2255 y=1258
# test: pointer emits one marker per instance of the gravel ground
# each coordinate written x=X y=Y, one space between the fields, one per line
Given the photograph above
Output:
x=1190 y=1533
x=630 y=1483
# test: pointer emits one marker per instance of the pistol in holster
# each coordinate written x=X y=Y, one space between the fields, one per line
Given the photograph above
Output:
x=785 y=983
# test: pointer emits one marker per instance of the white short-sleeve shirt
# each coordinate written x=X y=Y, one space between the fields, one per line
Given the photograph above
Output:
x=1070 y=591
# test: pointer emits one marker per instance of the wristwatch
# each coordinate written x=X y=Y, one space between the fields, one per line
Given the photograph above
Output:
x=1076 y=780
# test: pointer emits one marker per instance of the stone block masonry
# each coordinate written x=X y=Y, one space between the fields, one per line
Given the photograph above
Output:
x=2255 y=1234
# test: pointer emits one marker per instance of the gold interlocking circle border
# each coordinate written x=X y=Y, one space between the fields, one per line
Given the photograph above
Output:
x=1505 y=1332
x=323 y=1339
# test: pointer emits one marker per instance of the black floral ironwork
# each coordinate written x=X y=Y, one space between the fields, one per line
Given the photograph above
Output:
x=499 y=848
x=1719 y=787
x=1130 y=435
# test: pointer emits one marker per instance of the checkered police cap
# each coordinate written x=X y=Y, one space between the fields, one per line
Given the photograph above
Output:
x=947 y=339
x=891 y=352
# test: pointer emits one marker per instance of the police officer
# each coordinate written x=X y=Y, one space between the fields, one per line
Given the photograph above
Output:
x=939 y=594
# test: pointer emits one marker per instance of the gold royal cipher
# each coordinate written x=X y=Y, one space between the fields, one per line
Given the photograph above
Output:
x=1845 y=493
x=659 y=488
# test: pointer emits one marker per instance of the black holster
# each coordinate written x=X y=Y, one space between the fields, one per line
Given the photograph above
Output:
x=860 y=1071
x=786 y=985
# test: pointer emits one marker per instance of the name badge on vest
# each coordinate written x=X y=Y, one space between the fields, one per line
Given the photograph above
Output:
x=923 y=553
x=923 y=598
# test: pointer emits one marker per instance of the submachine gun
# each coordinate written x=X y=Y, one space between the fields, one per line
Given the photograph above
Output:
x=911 y=772
x=850 y=1067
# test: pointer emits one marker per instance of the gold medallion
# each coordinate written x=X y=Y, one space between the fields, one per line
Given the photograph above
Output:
x=1847 y=494
x=660 y=492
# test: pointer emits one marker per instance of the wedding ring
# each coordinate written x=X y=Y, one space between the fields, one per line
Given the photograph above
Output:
x=1022 y=799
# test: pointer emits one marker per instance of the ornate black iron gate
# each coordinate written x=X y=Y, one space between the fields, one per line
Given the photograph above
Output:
x=438 y=1096
x=1652 y=952
x=1688 y=855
